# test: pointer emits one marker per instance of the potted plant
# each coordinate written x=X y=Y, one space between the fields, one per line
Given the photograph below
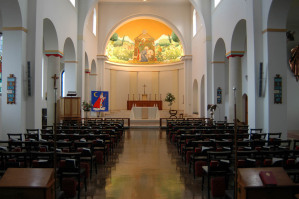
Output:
x=86 y=106
x=170 y=99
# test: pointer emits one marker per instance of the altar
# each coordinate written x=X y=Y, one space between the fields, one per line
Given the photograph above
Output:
x=144 y=103
x=144 y=113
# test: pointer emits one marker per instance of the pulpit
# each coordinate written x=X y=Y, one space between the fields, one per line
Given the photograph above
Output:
x=69 y=108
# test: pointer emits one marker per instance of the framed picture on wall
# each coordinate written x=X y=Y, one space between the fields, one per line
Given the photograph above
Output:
x=277 y=89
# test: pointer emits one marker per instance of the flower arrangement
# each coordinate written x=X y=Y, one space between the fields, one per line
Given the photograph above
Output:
x=169 y=98
x=212 y=107
x=86 y=106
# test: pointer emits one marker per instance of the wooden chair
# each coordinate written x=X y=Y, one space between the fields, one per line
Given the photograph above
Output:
x=218 y=165
x=69 y=166
x=32 y=134
x=15 y=159
x=87 y=154
x=15 y=140
x=42 y=159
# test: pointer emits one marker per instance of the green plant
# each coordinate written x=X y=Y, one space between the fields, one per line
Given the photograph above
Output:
x=86 y=106
x=169 y=98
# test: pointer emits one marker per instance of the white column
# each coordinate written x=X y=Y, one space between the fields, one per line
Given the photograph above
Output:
x=188 y=83
x=101 y=74
x=87 y=86
x=70 y=68
x=13 y=116
x=53 y=69
x=235 y=81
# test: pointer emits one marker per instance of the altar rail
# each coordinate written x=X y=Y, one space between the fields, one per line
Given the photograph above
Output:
x=126 y=121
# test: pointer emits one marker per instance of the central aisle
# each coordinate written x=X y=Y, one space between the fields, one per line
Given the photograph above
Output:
x=146 y=167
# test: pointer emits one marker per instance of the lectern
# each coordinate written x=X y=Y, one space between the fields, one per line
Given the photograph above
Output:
x=27 y=183
x=250 y=185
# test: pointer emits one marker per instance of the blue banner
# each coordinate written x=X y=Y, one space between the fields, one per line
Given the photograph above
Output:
x=100 y=101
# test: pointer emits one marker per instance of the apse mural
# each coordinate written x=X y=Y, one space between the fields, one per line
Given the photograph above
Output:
x=144 y=41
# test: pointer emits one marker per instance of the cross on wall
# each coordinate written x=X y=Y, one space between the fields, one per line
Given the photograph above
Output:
x=55 y=77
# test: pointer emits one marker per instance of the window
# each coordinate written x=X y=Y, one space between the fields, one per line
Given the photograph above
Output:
x=94 y=22
x=62 y=84
x=73 y=2
x=194 y=22
x=216 y=2
x=1 y=47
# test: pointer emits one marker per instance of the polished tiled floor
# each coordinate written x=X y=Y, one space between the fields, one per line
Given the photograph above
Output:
x=144 y=166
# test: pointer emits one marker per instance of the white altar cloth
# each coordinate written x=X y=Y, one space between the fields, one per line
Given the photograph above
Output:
x=139 y=113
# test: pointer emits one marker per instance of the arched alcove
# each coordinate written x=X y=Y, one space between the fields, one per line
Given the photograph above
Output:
x=70 y=66
x=220 y=80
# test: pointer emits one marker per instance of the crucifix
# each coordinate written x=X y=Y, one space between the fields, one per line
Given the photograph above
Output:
x=55 y=77
x=144 y=89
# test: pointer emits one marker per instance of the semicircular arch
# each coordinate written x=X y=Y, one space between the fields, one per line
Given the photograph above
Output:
x=142 y=16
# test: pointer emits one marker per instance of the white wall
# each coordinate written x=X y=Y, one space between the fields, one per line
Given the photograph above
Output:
x=124 y=80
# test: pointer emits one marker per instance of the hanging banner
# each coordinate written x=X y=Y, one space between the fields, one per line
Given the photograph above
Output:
x=100 y=101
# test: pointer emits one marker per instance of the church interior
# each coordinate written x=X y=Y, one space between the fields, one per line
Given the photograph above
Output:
x=149 y=99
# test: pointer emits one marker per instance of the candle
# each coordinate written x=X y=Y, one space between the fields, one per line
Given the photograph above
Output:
x=155 y=97
x=128 y=97
x=133 y=97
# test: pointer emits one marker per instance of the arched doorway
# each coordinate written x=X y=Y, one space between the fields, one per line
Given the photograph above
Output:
x=70 y=66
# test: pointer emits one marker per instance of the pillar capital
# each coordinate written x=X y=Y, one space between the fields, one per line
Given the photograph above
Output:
x=102 y=57
x=234 y=54
x=186 y=57
x=55 y=53
x=87 y=71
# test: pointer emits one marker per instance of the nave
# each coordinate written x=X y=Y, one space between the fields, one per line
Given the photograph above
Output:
x=144 y=165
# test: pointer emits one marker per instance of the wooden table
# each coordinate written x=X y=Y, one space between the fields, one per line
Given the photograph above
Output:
x=250 y=185
x=27 y=183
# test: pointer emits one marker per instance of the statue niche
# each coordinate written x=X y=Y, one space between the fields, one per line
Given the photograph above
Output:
x=144 y=50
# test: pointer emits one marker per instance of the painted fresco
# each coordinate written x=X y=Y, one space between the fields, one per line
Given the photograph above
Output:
x=144 y=41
